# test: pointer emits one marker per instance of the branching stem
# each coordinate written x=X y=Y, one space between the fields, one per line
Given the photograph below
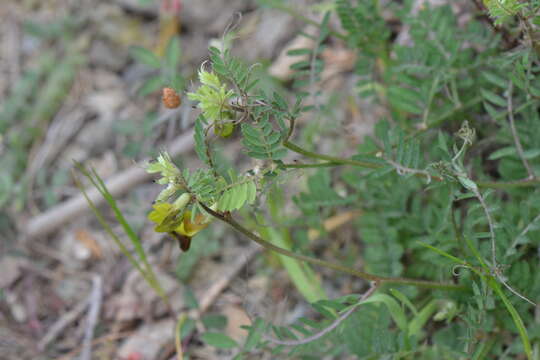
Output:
x=338 y=267
x=333 y=160
x=330 y=327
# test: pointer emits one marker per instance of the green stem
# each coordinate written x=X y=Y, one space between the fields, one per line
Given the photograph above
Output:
x=316 y=165
x=334 y=161
x=344 y=269
x=508 y=184
x=442 y=118
x=337 y=160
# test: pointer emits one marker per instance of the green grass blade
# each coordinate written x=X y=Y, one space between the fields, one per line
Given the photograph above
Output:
x=495 y=286
x=301 y=274
x=145 y=270
x=515 y=316
x=109 y=230
x=418 y=322
x=443 y=253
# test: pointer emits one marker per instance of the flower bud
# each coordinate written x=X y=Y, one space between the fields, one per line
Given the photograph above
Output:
x=170 y=98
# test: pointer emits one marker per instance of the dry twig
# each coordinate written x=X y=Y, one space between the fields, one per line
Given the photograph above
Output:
x=52 y=219
x=66 y=319
x=93 y=315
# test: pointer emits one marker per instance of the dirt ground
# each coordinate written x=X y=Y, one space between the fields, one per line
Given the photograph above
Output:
x=71 y=85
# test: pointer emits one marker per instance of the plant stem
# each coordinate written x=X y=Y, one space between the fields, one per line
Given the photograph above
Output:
x=337 y=160
x=361 y=274
x=507 y=184
x=329 y=328
x=334 y=161
x=316 y=165
x=515 y=135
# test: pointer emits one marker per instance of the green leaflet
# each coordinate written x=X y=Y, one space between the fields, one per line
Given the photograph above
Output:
x=238 y=195
x=262 y=141
x=397 y=313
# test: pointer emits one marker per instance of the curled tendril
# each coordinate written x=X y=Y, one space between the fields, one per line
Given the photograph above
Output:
x=456 y=267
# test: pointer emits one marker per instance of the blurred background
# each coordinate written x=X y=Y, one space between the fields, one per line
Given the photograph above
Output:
x=76 y=83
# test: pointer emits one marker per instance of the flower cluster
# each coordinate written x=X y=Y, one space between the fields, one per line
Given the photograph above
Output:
x=174 y=217
x=213 y=98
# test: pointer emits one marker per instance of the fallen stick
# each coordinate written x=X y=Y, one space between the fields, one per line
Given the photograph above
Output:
x=212 y=293
x=93 y=316
x=57 y=216
x=66 y=319
x=143 y=342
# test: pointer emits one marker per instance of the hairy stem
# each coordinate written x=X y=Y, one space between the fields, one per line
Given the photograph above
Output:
x=344 y=269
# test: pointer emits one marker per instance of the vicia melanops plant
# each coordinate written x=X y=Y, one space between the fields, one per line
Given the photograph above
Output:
x=446 y=186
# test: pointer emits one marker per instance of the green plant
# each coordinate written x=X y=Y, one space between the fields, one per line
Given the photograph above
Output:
x=164 y=70
x=447 y=185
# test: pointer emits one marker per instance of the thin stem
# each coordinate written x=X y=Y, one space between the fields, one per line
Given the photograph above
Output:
x=402 y=170
x=361 y=274
x=502 y=280
x=177 y=336
x=442 y=118
x=508 y=184
x=334 y=161
x=524 y=232
x=480 y=198
x=329 y=328
x=519 y=148
x=317 y=165
x=289 y=145
x=495 y=269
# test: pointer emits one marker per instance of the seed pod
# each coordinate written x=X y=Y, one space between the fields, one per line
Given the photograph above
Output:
x=170 y=98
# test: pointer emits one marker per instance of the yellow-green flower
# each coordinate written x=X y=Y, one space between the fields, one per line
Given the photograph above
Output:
x=190 y=228
x=166 y=217
x=169 y=219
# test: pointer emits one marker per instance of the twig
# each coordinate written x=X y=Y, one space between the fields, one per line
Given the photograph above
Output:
x=210 y=295
x=66 y=319
x=329 y=328
x=104 y=339
x=517 y=142
x=93 y=315
x=55 y=217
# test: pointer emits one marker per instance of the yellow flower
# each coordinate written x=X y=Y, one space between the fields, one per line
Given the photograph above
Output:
x=190 y=228
x=166 y=217
x=177 y=223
